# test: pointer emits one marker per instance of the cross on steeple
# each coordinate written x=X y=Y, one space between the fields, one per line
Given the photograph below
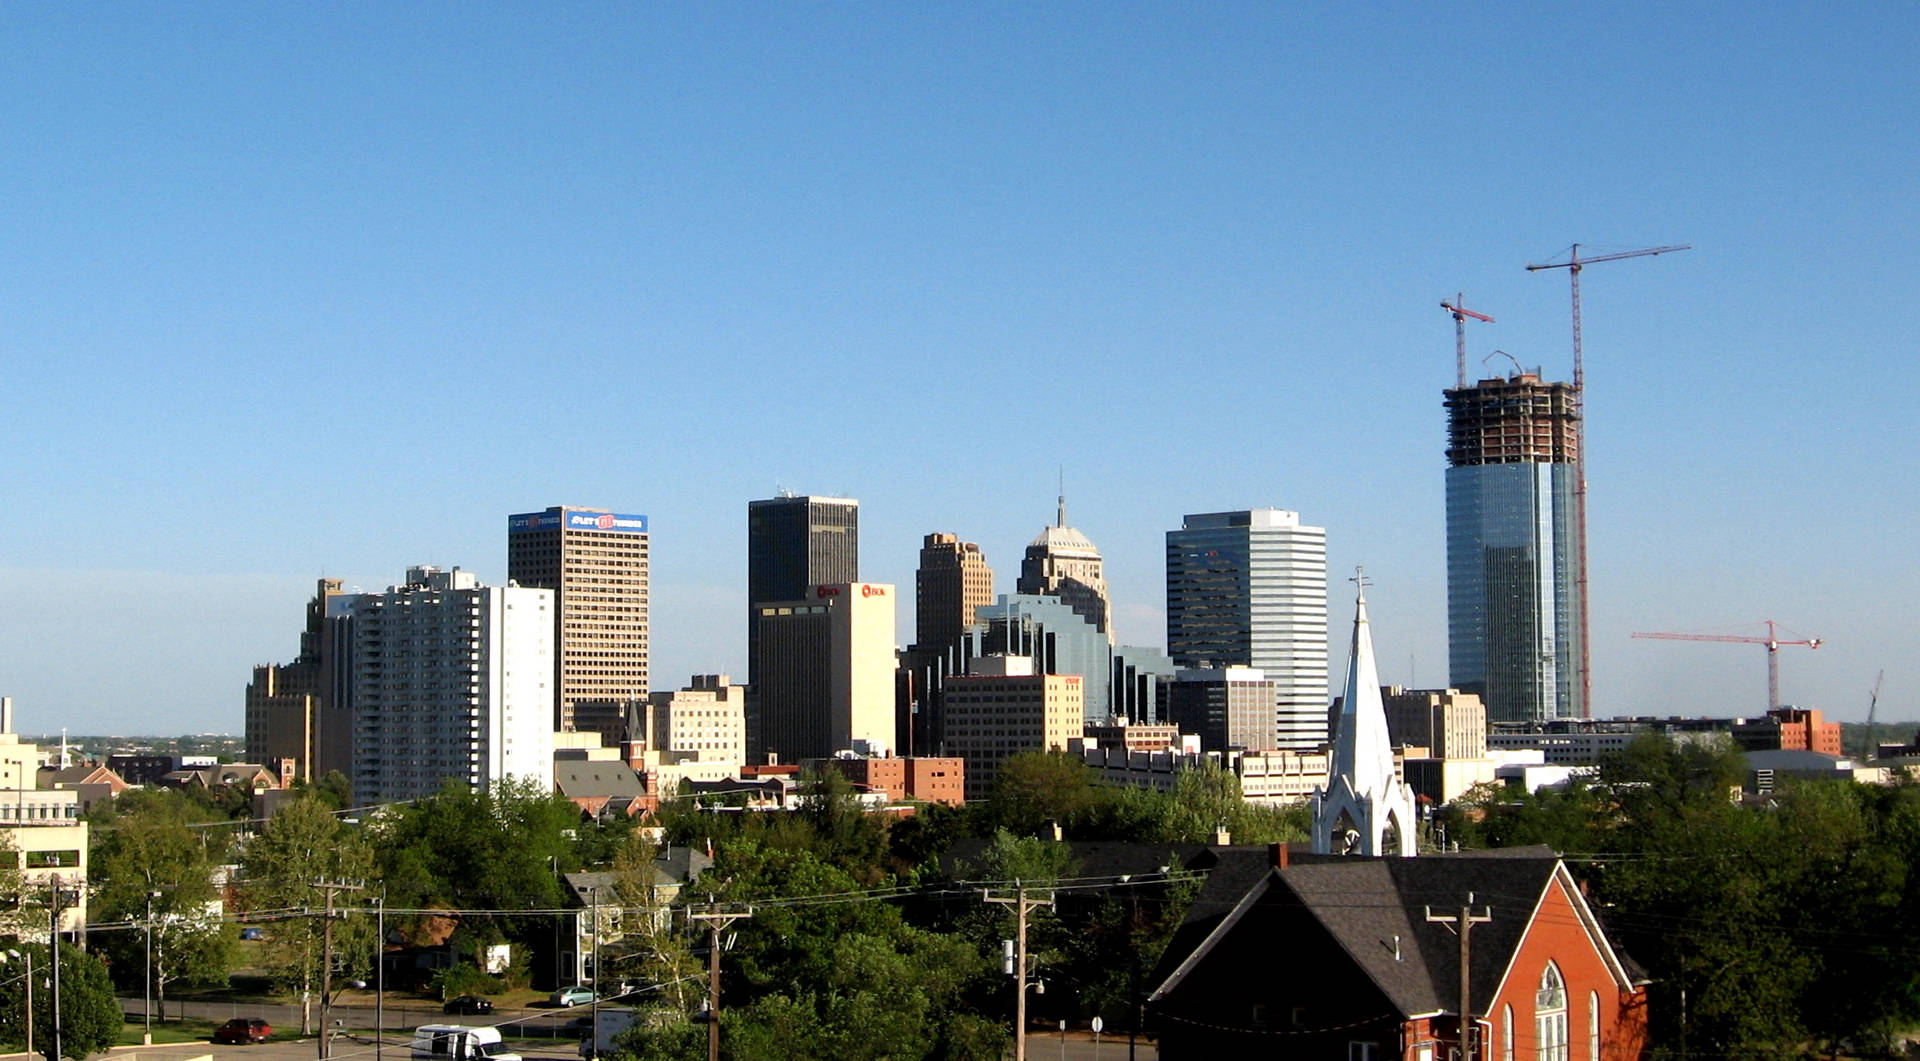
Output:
x=1361 y=580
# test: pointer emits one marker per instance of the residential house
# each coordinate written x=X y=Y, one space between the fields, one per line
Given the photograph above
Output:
x=1359 y=959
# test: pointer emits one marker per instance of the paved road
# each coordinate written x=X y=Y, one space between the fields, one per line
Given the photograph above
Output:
x=534 y=1024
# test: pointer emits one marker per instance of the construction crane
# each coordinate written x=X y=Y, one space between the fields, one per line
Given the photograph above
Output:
x=1460 y=315
x=1573 y=265
x=1772 y=641
x=1873 y=706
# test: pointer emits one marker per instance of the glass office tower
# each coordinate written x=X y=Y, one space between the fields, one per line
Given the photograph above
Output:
x=1249 y=589
x=1514 y=578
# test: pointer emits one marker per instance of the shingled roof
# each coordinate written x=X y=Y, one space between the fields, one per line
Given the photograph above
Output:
x=1375 y=910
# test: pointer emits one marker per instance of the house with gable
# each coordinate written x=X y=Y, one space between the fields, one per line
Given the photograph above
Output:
x=1360 y=959
x=1364 y=950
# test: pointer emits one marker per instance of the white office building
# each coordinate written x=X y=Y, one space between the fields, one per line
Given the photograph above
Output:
x=450 y=680
x=1249 y=589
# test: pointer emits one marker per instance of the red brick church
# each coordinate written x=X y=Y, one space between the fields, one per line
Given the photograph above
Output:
x=1363 y=951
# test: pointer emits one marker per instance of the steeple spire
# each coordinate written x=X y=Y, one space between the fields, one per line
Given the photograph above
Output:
x=1060 y=520
x=1365 y=809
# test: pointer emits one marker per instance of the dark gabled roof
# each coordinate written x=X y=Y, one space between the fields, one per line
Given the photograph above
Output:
x=1104 y=859
x=675 y=867
x=582 y=779
x=1376 y=910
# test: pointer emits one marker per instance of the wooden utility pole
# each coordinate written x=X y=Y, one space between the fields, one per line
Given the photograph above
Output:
x=716 y=920
x=1466 y=919
x=326 y=962
x=1021 y=905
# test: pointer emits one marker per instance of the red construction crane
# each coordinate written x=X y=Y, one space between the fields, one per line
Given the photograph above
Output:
x=1873 y=708
x=1460 y=315
x=1772 y=641
x=1573 y=265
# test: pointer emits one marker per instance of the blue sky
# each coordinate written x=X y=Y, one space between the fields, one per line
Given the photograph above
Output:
x=290 y=291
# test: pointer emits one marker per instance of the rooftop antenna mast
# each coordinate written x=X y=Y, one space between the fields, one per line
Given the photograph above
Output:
x=1573 y=265
x=1460 y=315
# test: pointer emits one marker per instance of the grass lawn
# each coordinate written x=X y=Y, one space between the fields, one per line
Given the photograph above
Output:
x=190 y=1030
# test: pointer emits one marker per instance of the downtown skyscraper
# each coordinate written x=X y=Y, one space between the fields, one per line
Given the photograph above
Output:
x=1249 y=589
x=1514 y=578
x=597 y=564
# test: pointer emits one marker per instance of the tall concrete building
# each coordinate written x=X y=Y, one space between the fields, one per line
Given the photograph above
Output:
x=1002 y=707
x=1226 y=707
x=795 y=543
x=952 y=583
x=451 y=680
x=826 y=664
x=290 y=712
x=597 y=565
x=1515 y=588
x=1062 y=563
x=1249 y=589
x=706 y=719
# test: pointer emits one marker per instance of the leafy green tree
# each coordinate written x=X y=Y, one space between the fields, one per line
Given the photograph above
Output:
x=281 y=868
x=90 y=1016
x=154 y=847
x=462 y=849
x=1033 y=788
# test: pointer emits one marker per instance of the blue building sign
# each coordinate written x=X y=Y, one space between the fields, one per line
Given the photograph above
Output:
x=576 y=519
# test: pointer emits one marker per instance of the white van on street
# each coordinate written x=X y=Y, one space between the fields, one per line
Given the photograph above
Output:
x=459 y=1042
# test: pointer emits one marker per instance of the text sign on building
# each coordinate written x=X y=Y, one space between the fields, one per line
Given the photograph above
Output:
x=865 y=589
x=576 y=520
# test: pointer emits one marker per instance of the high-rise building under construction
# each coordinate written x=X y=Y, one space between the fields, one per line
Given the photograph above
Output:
x=1515 y=582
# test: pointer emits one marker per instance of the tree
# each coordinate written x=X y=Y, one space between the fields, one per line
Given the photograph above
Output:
x=652 y=949
x=1033 y=788
x=301 y=847
x=466 y=849
x=148 y=848
x=90 y=1017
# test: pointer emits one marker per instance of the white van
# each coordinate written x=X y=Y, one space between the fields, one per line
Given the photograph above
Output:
x=459 y=1042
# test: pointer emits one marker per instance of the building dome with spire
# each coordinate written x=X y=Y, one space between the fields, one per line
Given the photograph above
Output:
x=1061 y=562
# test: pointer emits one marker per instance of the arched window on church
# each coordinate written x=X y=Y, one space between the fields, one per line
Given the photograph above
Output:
x=1506 y=1032
x=1550 y=1015
x=1593 y=1026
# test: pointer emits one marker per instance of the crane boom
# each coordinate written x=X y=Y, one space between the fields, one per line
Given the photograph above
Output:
x=1572 y=265
x=1772 y=641
x=1460 y=315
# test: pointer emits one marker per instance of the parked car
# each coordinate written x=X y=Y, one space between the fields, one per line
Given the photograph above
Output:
x=467 y=1004
x=243 y=1030
x=571 y=996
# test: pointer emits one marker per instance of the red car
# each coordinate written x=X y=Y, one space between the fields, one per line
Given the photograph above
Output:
x=243 y=1030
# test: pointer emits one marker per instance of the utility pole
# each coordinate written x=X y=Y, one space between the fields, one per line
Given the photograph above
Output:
x=379 y=975
x=716 y=920
x=1466 y=919
x=53 y=952
x=147 y=1011
x=326 y=962
x=1021 y=905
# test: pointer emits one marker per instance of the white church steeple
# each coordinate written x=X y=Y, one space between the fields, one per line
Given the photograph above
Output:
x=1366 y=809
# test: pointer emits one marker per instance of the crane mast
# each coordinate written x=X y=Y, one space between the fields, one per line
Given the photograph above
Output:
x=1460 y=315
x=1573 y=265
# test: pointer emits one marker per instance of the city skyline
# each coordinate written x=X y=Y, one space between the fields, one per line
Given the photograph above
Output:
x=840 y=252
